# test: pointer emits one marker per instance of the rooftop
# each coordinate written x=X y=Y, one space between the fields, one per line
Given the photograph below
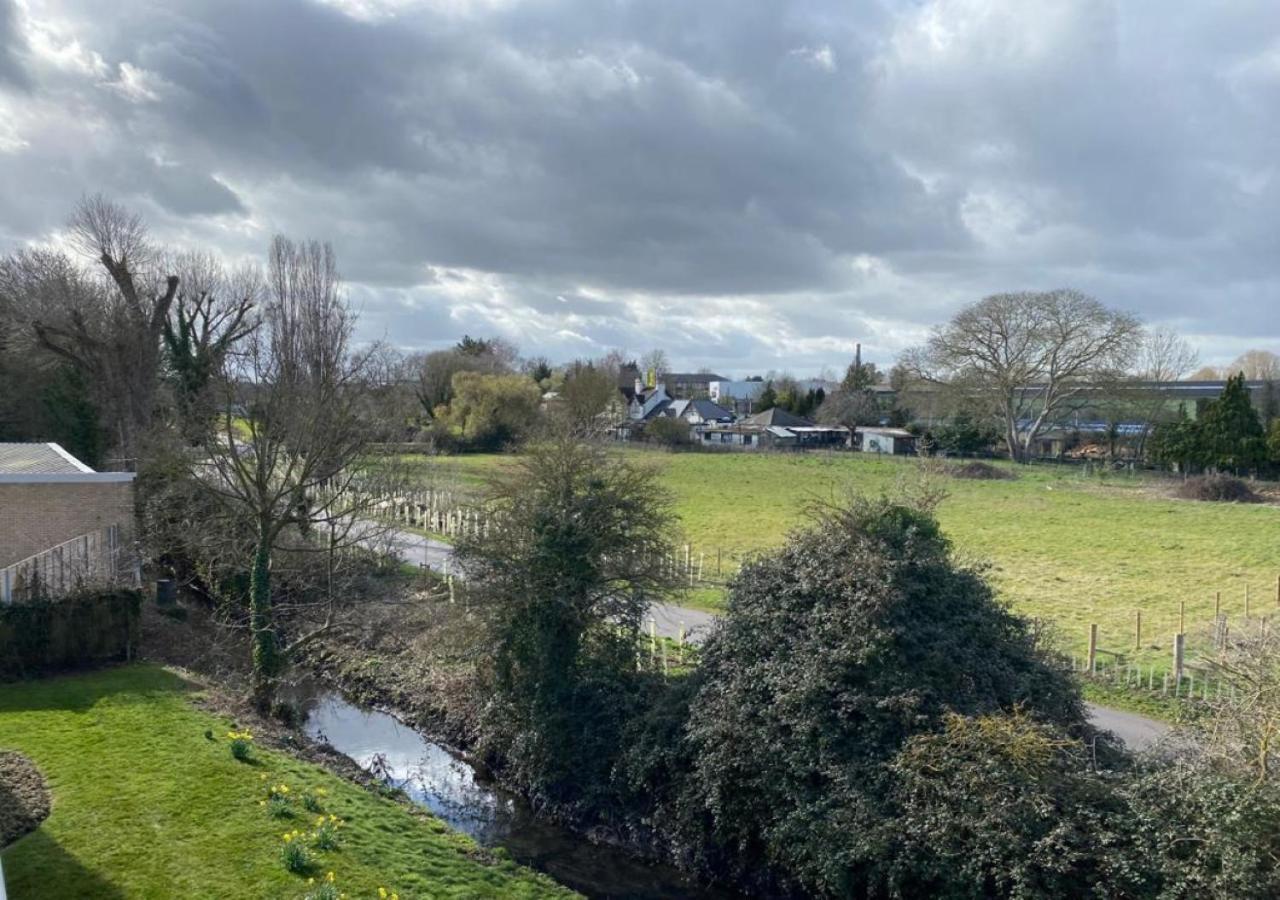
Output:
x=38 y=459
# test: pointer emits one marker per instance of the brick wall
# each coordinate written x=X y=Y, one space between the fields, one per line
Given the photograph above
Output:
x=35 y=517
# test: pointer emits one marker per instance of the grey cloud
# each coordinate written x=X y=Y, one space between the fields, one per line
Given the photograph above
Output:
x=12 y=72
x=559 y=170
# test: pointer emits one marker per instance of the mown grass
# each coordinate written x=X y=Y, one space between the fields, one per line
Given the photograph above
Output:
x=144 y=805
x=1071 y=548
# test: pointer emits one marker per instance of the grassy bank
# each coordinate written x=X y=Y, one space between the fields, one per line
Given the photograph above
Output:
x=1072 y=548
x=145 y=804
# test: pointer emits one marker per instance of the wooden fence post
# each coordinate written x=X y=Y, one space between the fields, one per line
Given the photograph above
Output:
x=1137 y=629
x=1093 y=649
x=1179 y=644
x=1182 y=616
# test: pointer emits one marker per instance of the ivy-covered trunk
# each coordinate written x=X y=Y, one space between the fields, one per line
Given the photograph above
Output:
x=261 y=625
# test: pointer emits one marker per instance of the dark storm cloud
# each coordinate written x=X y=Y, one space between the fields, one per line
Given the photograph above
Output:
x=730 y=179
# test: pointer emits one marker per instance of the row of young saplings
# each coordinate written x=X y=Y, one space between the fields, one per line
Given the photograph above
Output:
x=444 y=515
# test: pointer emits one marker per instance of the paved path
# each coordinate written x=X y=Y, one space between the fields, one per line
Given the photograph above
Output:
x=668 y=619
x=422 y=551
x=1137 y=732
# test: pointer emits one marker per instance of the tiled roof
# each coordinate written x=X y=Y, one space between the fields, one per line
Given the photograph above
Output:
x=38 y=459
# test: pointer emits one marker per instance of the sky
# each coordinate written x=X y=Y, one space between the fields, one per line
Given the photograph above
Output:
x=750 y=185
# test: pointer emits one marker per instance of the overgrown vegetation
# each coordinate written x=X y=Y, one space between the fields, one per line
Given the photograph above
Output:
x=980 y=471
x=1216 y=489
x=563 y=575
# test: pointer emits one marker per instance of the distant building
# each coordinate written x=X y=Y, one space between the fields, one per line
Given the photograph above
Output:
x=774 y=429
x=893 y=441
x=689 y=385
x=741 y=396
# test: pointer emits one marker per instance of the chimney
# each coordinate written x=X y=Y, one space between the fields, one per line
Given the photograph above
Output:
x=857 y=357
x=639 y=385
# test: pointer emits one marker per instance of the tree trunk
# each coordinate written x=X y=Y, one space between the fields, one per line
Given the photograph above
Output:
x=261 y=626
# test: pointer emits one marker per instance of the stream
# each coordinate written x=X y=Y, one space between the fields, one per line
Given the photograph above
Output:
x=450 y=788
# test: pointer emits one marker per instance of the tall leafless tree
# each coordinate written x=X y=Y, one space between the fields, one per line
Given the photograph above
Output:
x=110 y=332
x=291 y=439
x=1027 y=356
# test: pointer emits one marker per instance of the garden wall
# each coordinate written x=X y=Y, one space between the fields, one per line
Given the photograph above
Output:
x=70 y=633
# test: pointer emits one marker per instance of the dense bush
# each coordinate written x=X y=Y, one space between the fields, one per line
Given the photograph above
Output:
x=964 y=436
x=1003 y=806
x=669 y=432
x=1216 y=488
x=858 y=635
x=563 y=575
x=85 y=629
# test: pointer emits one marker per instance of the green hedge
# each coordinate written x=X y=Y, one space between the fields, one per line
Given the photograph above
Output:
x=74 y=632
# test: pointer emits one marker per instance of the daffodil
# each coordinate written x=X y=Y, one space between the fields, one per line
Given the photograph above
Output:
x=329 y=877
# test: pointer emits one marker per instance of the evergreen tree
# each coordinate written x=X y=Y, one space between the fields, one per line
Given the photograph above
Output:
x=1229 y=433
x=768 y=399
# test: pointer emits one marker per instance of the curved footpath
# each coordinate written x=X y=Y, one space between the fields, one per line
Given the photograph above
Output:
x=1137 y=732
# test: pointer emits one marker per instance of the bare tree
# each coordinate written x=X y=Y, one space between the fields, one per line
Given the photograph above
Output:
x=1027 y=356
x=655 y=363
x=1206 y=373
x=111 y=335
x=588 y=392
x=1163 y=356
x=1257 y=365
x=291 y=440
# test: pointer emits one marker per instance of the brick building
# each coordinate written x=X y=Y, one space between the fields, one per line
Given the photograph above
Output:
x=48 y=498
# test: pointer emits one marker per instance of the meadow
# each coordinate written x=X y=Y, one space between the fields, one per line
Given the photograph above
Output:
x=1069 y=547
x=148 y=802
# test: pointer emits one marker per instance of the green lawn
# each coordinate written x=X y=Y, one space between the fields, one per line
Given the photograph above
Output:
x=144 y=805
x=1069 y=547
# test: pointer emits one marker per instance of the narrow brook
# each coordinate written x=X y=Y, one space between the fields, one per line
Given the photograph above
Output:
x=450 y=788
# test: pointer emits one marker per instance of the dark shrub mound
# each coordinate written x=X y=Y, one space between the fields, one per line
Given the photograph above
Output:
x=1216 y=489
x=861 y=633
x=980 y=471
x=24 y=799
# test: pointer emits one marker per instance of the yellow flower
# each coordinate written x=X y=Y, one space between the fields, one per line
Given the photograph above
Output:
x=287 y=837
x=329 y=877
x=262 y=777
x=311 y=881
x=382 y=893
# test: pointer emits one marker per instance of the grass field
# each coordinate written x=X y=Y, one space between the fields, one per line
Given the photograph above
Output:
x=146 y=806
x=1070 y=547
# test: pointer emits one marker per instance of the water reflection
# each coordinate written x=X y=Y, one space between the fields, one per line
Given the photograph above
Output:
x=447 y=786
